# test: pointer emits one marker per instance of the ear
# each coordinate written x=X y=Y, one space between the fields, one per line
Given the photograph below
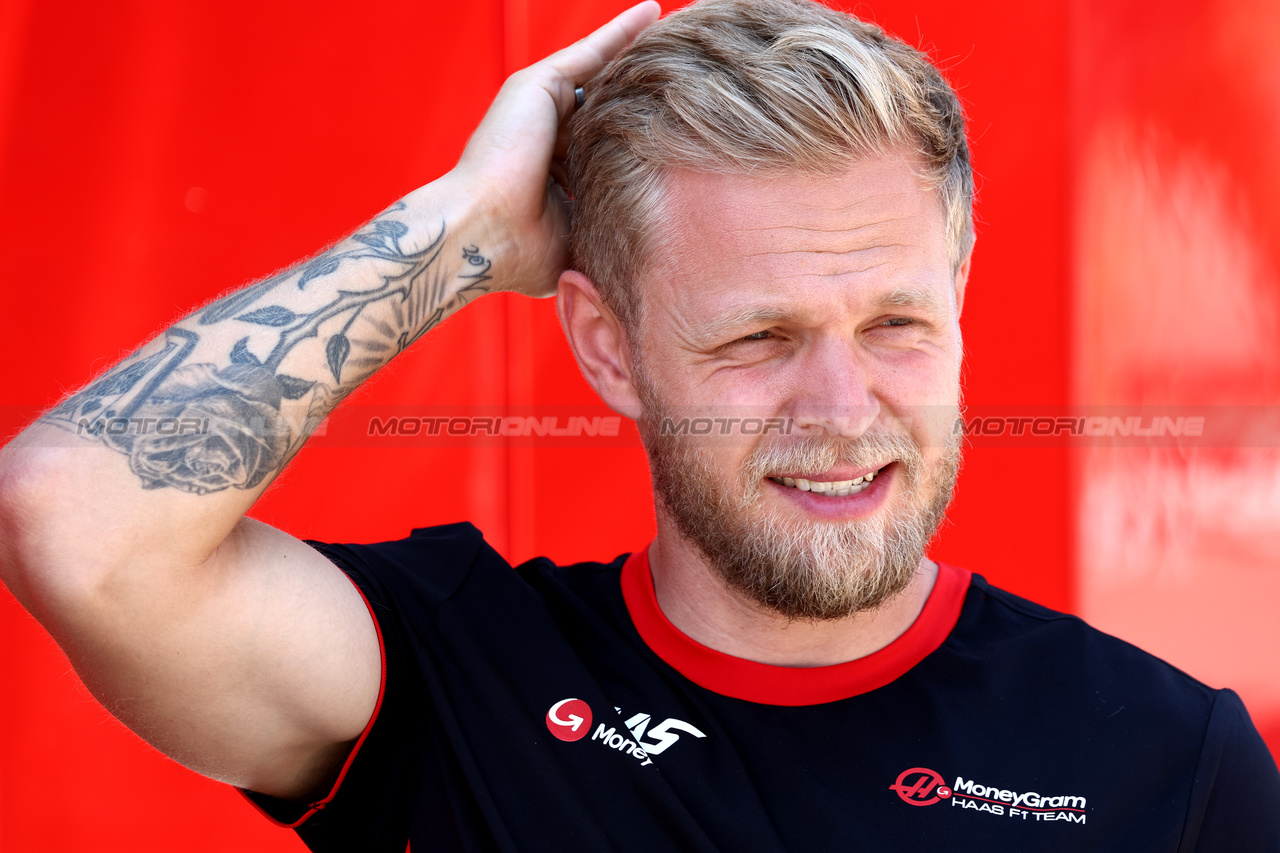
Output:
x=599 y=342
x=962 y=279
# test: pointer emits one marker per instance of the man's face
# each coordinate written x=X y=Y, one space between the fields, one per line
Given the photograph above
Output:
x=822 y=313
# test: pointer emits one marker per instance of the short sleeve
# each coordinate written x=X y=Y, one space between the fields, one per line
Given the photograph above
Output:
x=405 y=775
x=363 y=809
x=1235 y=798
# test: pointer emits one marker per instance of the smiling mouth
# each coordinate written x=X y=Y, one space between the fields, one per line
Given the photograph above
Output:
x=831 y=489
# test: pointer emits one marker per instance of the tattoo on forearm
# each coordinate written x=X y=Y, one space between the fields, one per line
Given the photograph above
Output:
x=205 y=427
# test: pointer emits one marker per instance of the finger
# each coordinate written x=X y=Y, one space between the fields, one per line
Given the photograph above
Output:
x=572 y=67
x=579 y=62
x=518 y=126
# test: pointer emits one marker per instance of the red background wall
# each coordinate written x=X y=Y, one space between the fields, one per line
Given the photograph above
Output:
x=1176 y=285
x=153 y=154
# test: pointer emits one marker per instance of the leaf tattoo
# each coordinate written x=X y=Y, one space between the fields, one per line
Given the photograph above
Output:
x=336 y=351
x=322 y=266
x=292 y=387
x=240 y=354
x=235 y=303
x=272 y=315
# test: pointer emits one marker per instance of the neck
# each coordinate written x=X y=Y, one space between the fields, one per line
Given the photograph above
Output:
x=698 y=602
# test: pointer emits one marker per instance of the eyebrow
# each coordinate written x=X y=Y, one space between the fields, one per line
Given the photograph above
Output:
x=733 y=320
x=915 y=297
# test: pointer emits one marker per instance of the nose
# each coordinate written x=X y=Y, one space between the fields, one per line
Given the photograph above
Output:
x=833 y=391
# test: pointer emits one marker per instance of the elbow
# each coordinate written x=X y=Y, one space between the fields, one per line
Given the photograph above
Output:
x=43 y=561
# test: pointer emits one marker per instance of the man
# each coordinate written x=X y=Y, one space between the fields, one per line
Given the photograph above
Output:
x=772 y=229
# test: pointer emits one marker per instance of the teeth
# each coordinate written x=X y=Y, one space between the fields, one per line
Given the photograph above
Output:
x=835 y=488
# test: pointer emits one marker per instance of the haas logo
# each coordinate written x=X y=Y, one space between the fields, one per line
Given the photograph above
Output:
x=921 y=786
x=569 y=719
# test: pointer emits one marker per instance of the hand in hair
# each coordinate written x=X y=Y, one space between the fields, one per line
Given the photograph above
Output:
x=513 y=164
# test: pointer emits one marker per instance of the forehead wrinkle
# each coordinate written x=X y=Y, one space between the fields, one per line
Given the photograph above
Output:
x=836 y=251
x=859 y=271
x=811 y=274
x=838 y=228
x=787 y=226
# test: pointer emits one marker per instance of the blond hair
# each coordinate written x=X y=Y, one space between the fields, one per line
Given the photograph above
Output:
x=750 y=87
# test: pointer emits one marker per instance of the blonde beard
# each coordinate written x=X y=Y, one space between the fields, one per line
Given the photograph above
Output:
x=806 y=571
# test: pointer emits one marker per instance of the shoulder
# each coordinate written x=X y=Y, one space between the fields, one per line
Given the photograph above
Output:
x=442 y=546
x=1058 y=652
x=575 y=579
x=453 y=563
x=431 y=563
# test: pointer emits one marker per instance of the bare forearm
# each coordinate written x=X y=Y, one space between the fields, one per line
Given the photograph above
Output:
x=169 y=448
x=220 y=400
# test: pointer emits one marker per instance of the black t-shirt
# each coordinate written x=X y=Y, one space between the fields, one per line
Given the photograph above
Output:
x=555 y=708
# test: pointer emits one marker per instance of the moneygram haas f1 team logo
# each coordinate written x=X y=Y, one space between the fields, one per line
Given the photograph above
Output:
x=569 y=719
x=921 y=786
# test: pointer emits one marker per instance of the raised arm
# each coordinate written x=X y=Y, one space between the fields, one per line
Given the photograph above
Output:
x=231 y=646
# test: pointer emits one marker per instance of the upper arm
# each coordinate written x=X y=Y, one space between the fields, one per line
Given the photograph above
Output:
x=259 y=667
x=232 y=647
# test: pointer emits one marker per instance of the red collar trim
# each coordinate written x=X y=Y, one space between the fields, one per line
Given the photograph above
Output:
x=783 y=685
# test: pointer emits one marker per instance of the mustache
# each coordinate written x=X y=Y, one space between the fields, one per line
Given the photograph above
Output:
x=818 y=453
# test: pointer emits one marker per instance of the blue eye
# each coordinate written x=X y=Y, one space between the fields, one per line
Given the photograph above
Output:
x=758 y=336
